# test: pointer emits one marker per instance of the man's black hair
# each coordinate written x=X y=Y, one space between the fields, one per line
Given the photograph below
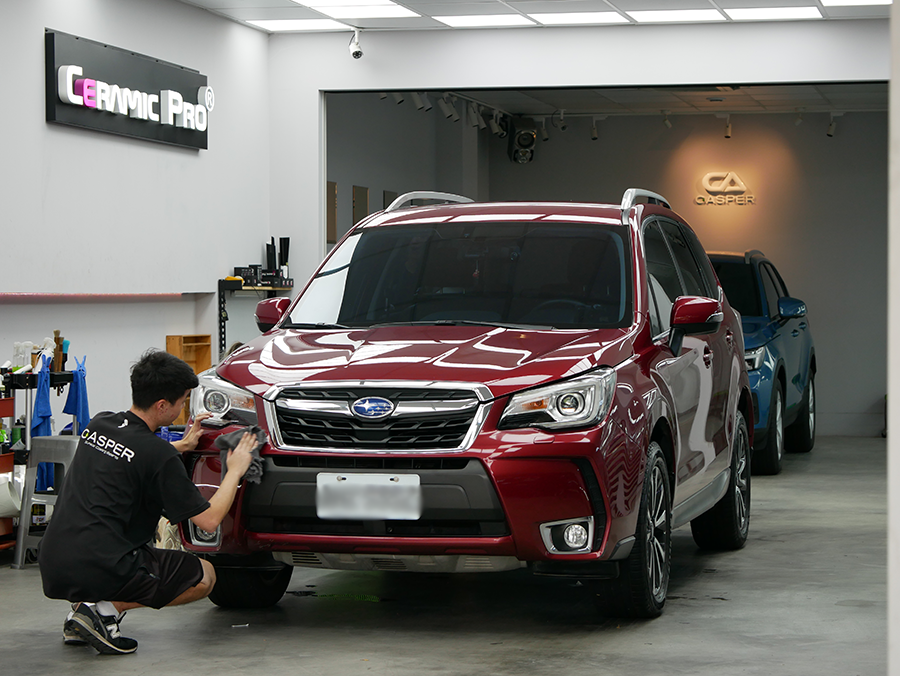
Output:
x=160 y=375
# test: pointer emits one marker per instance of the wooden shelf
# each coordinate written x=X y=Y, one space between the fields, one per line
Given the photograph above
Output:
x=196 y=350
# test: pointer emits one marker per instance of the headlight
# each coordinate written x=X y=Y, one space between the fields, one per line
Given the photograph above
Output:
x=754 y=358
x=580 y=402
x=226 y=402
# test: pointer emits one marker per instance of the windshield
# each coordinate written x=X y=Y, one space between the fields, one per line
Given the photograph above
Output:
x=524 y=274
x=740 y=286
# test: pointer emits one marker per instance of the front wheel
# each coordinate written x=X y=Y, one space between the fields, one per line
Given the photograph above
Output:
x=250 y=587
x=640 y=590
x=727 y=524
x=768 y=459
x=801 y=435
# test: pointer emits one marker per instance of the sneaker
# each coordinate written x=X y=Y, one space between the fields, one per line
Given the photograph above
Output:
x=100 y=631
x=69 y=635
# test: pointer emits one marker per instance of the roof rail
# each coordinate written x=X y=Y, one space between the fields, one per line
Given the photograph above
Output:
x=420 y=195
x=750 y=253
x=630 y=197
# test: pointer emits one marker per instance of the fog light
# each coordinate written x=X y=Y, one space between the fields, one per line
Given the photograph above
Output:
x=575 y=536
x=205 y=538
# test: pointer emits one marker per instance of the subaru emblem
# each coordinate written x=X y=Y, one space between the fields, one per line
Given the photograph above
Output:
x=372 y=408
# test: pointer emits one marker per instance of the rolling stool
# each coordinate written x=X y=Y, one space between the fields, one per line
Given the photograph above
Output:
x=56 y=450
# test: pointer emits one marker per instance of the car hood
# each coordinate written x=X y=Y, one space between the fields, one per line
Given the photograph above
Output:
x=757 y=331
x=505 y=360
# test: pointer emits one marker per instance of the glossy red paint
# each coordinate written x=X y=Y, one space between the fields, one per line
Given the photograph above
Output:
x=687 y=402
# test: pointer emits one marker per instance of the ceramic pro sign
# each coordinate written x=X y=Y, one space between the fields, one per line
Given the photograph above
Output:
x=105 y=88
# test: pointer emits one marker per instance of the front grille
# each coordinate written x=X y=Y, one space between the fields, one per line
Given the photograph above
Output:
x=409 y=430
x=345 y=462
x=420 y=528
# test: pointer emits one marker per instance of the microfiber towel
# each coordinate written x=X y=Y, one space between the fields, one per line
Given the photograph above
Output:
x=40 y=419
x=40 y=423
x=77 y=401
x=228 y=442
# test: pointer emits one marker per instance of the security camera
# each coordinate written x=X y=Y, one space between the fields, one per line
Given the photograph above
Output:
x=354 y=47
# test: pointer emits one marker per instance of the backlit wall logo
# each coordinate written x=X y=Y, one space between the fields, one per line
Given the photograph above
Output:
x=166 y=107
x=724 y=188
x=93 y=85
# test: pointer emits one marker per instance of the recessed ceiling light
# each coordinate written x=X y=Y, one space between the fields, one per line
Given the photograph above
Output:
x=854 y=3
x=284 y=25
x=365 y=11
x=341 y=3
x=577 y=18
x=485 y=20
x=676 y=15
x=773 y=13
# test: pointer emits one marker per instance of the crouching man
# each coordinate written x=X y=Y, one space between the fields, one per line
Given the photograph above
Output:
x=97 y=550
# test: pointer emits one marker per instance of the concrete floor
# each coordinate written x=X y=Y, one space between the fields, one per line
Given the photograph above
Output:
x=805 y=597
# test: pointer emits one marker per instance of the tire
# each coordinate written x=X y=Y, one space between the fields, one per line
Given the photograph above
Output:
x=250 y=587
x=801 y=435
x=640 y=590
x=768 y=460
x=727 y=524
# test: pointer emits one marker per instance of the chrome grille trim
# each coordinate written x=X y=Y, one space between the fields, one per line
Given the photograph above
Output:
x=480 y=402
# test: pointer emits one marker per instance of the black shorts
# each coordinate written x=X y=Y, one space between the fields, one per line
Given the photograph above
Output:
x=164 y=575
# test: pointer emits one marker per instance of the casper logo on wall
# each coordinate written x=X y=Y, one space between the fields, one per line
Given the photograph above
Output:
x=724 y=188
x=97 y=86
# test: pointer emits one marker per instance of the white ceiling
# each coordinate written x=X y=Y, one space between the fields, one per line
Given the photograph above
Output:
x=724 y=99
x=249 y=10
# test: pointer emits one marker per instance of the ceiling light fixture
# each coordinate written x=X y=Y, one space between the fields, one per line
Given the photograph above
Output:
x=594 y=134
x=854 y=3
x=578 y=18
x=666 y=119
x=728 y=126
x=832 y=127
x=417 y=100
x=355 y=50
x=485 y=21
x=561 y=125
x=351 y=11
x=298 y=25
x=479 y=117
x=773 y=13
x=799 y=119
x=676 y=16
x=544 y=135
x=398 y=97
x=495 y=127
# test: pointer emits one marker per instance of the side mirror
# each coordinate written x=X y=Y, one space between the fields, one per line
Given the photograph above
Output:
x=789 y=308
x=270 y=311
x=693 y=316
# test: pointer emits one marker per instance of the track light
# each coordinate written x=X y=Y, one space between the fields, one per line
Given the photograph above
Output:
x=832 y=127
x=799 y=120
x=447 y=108
x=417 y=100
x=666 y=119
x=544 y=135
x=382 y=95
x=426 y=102
x=355 y=50
x=494 y=125
x=472 y=112
x=479 y=118
x=398 y=97
x=728 y=126
x=453 y=114
x=561 y=125
x=594 y=134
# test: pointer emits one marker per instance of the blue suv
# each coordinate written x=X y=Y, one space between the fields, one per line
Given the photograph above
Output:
x=780 y=356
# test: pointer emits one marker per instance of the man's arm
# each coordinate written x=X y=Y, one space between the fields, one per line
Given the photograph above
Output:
x=219 y=504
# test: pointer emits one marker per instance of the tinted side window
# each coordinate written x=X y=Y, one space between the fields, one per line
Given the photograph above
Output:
x=706 y=269
x=780 y=286
x=662 y=275
x=690 y=271
x=771 y=292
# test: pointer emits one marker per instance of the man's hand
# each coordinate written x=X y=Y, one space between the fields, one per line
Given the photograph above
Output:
x=189 y=441
x=239 y=458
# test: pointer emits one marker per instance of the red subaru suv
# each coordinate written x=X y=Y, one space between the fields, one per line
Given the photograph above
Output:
x=467 y=387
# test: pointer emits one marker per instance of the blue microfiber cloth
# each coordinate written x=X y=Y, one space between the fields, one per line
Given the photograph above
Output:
x=77 y=401
x=40 y=423
x=228 y=442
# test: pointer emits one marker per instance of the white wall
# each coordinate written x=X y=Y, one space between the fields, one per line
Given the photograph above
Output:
x=86 y=212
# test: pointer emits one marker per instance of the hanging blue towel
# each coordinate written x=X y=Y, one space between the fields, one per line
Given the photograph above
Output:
x=77 y=401
x=40 y=422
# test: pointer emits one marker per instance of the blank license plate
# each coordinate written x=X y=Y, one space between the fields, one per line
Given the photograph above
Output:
x=368 y=496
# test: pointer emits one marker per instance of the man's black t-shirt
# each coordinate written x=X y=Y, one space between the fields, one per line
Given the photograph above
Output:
x=122 y=479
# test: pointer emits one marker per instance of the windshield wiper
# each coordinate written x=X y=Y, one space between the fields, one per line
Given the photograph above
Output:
x=465 y=322
x=317 y=325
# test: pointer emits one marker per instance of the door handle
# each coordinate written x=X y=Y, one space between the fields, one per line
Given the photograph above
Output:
x=729 y=338
x=707 y=357
x=803 y=326
x=795 y=333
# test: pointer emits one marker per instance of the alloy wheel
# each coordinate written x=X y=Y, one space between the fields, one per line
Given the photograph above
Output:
x=658 y=534
x=741 y=482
